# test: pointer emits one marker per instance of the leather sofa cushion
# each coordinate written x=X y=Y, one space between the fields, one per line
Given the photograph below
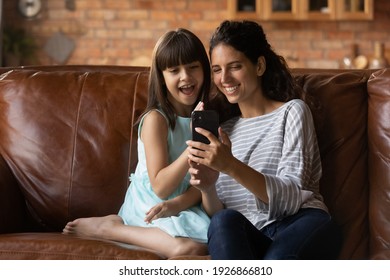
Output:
x=57 y=246
x=68 y=138
x=379 y=161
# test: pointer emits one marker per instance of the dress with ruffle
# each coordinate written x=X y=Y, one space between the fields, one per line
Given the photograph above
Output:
x=140 y=197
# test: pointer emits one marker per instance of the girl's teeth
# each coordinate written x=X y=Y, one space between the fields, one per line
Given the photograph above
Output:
x=186 y=89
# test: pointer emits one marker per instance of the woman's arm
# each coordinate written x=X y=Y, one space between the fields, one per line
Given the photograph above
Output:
x=218 y=156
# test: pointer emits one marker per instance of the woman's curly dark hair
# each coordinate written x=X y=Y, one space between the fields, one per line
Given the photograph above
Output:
x=249 y=38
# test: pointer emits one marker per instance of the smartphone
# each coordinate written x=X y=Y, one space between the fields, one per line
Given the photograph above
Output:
x=207 y=119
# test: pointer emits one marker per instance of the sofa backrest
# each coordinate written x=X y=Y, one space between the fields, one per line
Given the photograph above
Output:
x=68 y=136
x=342 y=137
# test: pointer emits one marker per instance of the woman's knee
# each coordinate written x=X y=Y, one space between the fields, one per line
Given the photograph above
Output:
x=324 y=237
x=225 y=218
x=225 y=221
x=329 y=241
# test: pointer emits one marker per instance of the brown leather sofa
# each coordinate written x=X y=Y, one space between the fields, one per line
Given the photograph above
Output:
x=68 y=145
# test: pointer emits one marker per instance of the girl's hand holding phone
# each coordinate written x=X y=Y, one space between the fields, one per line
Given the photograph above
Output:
x=202 y=177
x=199 y=106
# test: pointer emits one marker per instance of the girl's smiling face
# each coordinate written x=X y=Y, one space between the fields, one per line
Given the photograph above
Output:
x=184 y=83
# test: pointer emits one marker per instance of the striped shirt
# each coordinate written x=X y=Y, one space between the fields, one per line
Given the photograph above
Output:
x=282 y=145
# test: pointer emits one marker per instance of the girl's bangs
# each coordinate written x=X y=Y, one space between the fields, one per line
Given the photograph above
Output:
x=177 y=53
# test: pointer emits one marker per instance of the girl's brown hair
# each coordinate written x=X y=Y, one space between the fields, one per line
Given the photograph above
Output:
x=175 y=48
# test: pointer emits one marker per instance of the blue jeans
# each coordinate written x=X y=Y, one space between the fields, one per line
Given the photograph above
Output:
x=309 y=234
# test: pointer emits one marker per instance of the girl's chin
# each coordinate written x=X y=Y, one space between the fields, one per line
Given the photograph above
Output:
x=190 y=96
x=189 y=101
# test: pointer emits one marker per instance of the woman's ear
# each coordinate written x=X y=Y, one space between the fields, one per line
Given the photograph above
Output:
x=261 y=66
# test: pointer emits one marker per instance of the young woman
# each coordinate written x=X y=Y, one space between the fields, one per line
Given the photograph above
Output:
x=161 y=211
x=260 y=180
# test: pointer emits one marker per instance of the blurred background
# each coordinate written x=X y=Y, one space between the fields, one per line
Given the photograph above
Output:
x=308 y=33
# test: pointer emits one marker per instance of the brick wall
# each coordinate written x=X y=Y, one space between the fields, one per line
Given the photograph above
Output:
x=123 y=32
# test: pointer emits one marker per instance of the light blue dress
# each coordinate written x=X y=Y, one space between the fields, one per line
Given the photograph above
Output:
x=140 y=197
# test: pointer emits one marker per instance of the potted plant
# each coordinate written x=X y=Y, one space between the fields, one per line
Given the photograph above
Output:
x=18 y=47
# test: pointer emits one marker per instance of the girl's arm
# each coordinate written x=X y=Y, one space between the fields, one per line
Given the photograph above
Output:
x=174 y=206
x=164 y=177
x=204 y=178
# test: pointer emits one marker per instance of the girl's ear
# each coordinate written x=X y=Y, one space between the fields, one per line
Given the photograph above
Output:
x=261 y=66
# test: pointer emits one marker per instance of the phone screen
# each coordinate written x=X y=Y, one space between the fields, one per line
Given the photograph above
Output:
x=207 y=119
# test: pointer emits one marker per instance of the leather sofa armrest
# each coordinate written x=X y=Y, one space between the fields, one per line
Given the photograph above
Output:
x=12 y=207
x=378 y=131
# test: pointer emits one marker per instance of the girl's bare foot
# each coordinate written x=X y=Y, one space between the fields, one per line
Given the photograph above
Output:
x=96 y=227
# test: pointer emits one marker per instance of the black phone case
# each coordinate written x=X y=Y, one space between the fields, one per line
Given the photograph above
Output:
x=207 y=119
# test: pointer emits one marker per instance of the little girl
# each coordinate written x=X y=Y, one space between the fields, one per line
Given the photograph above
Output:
x=161 y=211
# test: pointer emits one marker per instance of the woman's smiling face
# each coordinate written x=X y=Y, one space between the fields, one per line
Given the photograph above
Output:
x=234 y=74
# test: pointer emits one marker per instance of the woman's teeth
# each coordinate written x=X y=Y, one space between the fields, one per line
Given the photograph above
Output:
x=231 y=89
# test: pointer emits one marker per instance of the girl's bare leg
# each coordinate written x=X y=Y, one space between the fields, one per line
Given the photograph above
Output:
x=112 y=228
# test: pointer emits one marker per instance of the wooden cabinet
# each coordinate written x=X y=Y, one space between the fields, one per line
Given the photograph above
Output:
x=301 y=9
x=318 y=10
x=244 y=9
x=281 y=10
x=355 y=9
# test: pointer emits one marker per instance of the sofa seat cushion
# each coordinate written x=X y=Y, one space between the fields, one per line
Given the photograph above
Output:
x=57 y=246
